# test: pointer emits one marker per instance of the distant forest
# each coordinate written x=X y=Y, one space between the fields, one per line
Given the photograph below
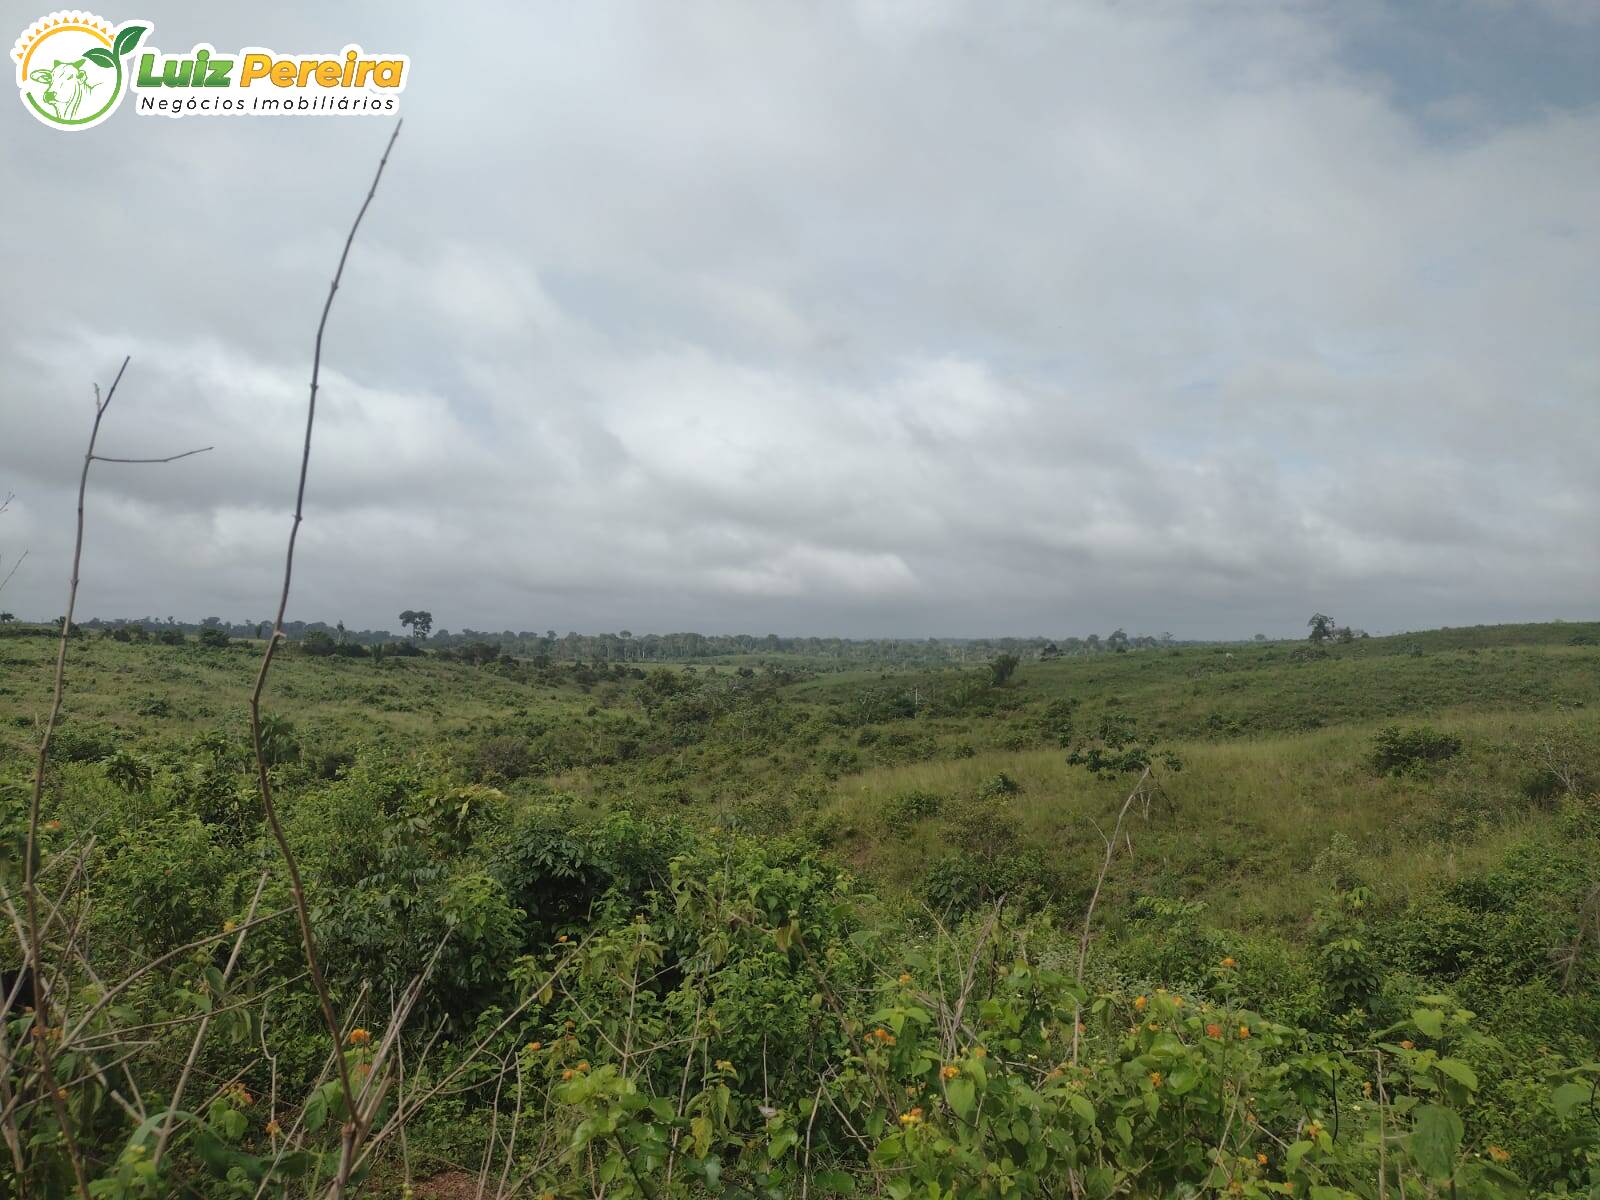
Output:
x=624 y=646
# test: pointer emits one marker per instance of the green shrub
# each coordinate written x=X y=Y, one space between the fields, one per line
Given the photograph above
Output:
x=1397 y=751
x=904 y=809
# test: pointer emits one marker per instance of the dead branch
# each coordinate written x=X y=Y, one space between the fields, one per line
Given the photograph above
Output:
x=296 y=886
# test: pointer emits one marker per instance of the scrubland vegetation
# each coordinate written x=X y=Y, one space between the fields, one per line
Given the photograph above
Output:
x=1310 y=918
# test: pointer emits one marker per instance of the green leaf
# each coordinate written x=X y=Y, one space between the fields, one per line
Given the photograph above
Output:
x=100 y=56
x=962 y=1094
x=889 y=1150
x=316 y=1111
x=1081 y=1106
x=1459 y=1071
x=1183 y=1079
x=1568 y=1096
x=838 y=1182
x=1429 y=1020
x=1436 y=1140
x=128 y=39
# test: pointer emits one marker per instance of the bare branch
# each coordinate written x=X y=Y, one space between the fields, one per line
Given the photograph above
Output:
x=169 y=458
x=297 y=888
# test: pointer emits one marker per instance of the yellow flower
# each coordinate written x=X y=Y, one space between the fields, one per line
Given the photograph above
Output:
x=1177 y=1002
x=359 y=1037
x=1261 y=1160
x=1366 y=1088
x=273 y=1128
x=724 y=1065
x=949 y=1072
x=1408 y=1044
x=1139 y=1002
x=1499 y=1155
x=980 y=1052
x=1244 y=1031
x=584 y=1065
x=1155 y=1078
x=1229 y=962
x=229 y=925
x=535 y=1047
x=562 y=938
x=1153 y=1026
x=905 y=979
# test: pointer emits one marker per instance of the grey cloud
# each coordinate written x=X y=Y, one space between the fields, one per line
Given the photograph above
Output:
x=876 y=318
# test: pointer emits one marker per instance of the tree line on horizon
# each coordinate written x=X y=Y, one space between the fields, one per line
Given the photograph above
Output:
x=625 y=646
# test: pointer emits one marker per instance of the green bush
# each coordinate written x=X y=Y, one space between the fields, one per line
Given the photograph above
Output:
x=1397 y=751
x=904 y=809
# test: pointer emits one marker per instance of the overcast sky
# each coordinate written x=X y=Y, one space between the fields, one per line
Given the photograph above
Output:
x=893 y=317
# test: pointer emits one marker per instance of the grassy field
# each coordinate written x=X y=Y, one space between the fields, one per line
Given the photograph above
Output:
x=1352 y=871
x=1274 y=740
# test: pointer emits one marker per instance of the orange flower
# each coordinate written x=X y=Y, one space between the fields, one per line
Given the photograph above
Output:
x=949 y=1072
x=1244 y=1031
x=1177 y=1002
x=273 y=1128
x=1139 y=1002
x=562 y=938
x=584 y=1065
x=1214 y=1030
x=980 y=1051
x=1261 y=1160
x=1229 y=962
x=904 y=979
x=567 y=1075
x=1408 y=1044
x=535 y=1047
x=1499 y=1155
x=359 y=1037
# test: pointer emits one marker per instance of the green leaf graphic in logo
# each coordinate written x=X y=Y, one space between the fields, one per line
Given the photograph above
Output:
x=100 y=56
x=128 y=38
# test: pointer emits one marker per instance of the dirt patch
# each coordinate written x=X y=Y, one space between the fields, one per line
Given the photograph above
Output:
x=452 y=1185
